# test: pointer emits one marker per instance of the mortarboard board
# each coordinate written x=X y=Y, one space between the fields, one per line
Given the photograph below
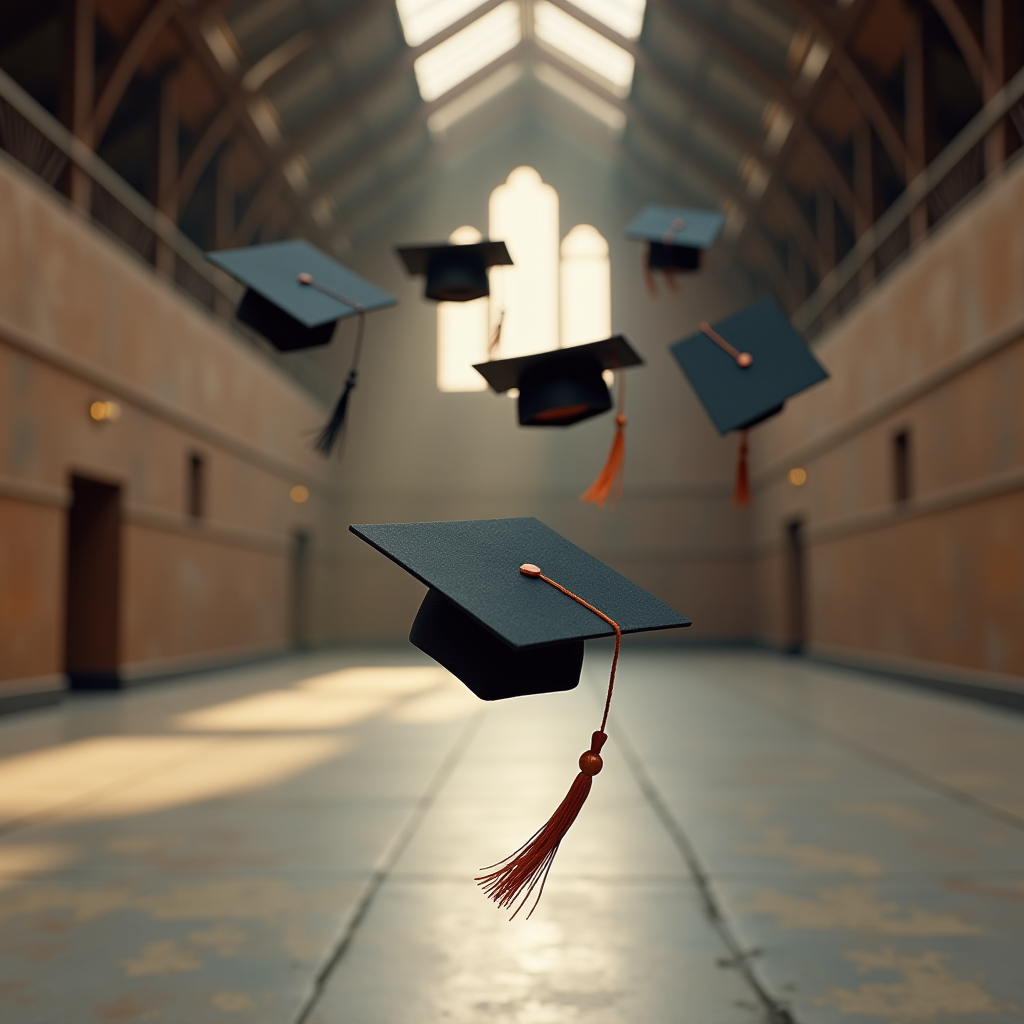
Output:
x=744 y=368
x=296 y=293
x=455 y=273
x=509 y=607
x=491 y=627
x=563 y=385
x=676 y=236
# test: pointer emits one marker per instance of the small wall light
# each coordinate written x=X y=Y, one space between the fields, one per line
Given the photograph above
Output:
x=104 y=412
x=299 y=494
x=797 y=476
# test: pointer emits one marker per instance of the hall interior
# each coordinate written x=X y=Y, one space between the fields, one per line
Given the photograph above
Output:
x=232 y=790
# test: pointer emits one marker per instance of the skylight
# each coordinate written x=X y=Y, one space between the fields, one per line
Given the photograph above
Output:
x=468 y=51
x=624 y=16
x=573 y=41
x=422 y=19
x=462 y=106
x=582 y=97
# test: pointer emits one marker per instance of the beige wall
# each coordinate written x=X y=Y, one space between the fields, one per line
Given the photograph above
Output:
x=937 y=348
x=80 y=320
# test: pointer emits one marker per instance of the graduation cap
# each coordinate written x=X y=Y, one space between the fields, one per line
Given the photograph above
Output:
x=455 y=273
x=509 y=608
x=565 y=385
x=744 y=368
x=295 y=294
x=676 y=237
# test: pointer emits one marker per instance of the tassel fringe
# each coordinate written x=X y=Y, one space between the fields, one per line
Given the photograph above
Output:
x=608 y=485
x=519 y=874
x=741 y=492
x=327 y=437
x=492 y=346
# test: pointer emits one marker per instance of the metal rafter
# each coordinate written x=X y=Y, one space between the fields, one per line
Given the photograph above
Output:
x=362 y=92
x=251 y=83
x=836 y=33
x=754 y=148
x=188 y=23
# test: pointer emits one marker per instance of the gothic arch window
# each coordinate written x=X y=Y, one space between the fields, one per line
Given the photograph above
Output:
x=556 y=294
x=462 y=329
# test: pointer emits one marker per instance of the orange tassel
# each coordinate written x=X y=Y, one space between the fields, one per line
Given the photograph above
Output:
x=741 y=492
x=670 y=280
x=527 y=869
x=608 y=485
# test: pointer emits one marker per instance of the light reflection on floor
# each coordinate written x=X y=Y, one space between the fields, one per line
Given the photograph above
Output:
x=195 y=852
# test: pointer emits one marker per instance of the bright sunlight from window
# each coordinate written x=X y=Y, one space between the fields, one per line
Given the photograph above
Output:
x=467 y=52
x=586 y=286
x=461 y=333
x=524 y=215
x=624 y=16
x=605 y=61
x=422 y=19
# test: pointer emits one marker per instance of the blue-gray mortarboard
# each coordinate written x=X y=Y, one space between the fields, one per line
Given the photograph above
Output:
x=565 y=385
x=295 y=295
x=744 y=368
x=455 y=273
x=509 y=607
x=676 y=237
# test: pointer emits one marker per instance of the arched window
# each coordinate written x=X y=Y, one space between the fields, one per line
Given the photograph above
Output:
x=461 y=333
x=524 y=215
x=555 y=295
x=586 y=286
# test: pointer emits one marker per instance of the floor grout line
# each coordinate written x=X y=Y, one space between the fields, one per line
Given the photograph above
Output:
x=384 y=867
x=872 y=756
x=778 y=1012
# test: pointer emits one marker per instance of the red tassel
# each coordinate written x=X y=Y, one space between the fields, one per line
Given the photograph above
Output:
x=608 y=485
x=741 y=492
x=526 y=869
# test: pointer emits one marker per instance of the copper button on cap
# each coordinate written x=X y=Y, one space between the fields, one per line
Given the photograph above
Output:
x=529 y=569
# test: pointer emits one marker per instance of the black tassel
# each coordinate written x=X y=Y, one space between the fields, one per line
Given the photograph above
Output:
x=324 y=443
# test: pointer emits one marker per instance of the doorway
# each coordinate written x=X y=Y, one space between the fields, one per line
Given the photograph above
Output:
x=93 y=585
x=796 y=603
x=299 y=604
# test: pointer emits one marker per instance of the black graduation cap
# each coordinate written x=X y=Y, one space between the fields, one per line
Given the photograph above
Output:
x=676 y=236
x=561 y=386
x=455 y=273
x=738 y=396
x=744 y=368
x=296 y=293
x=500 y=632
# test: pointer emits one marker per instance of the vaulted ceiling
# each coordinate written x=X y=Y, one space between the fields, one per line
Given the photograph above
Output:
x=246 y=119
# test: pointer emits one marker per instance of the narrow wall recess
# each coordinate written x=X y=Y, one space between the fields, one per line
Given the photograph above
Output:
x=901 y=467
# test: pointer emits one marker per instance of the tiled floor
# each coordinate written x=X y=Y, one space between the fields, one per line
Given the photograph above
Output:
x=296 y=843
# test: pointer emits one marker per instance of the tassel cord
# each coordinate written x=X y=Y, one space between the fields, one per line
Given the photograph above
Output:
x=327 y=437
x=521 y=876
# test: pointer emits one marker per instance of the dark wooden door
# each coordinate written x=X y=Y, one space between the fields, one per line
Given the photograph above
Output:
x=93 y=585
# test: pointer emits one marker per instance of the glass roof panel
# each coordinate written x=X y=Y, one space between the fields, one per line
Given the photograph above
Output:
x=468 y=51
x=583 y=46
x=624 y=16
x=422 y=19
